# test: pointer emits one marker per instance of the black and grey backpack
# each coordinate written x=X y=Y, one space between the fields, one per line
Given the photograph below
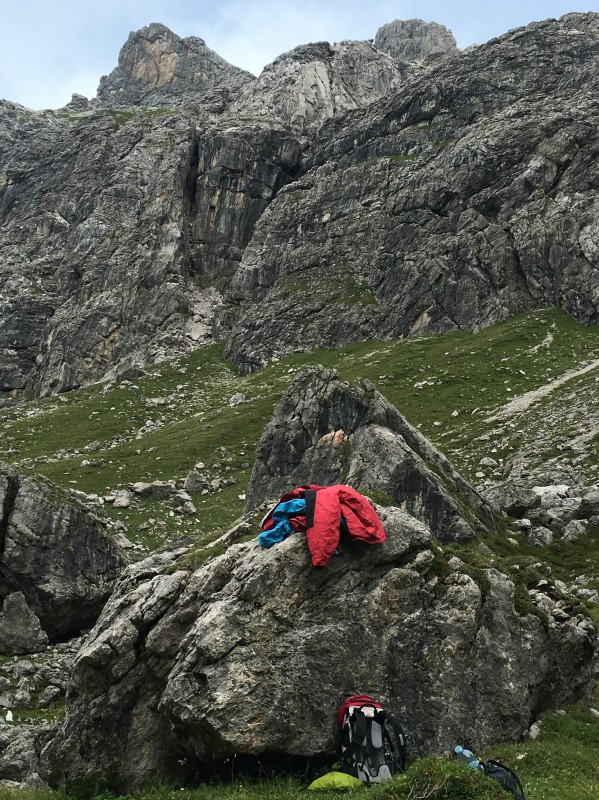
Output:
x=371 y=742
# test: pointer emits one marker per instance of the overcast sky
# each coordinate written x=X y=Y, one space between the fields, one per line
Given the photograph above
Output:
x=52 y=48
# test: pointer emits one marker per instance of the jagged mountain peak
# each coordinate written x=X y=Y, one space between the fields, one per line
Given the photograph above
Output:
x=158 y=68
x=416 y=41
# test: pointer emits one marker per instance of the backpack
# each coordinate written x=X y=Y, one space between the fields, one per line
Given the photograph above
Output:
x=371 y=744
x=508 y=779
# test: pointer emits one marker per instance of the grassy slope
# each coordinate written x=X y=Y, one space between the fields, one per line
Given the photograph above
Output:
x=449 y=386
x=428 y=379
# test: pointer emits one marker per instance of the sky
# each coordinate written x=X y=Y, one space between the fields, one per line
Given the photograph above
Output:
x=54 y=48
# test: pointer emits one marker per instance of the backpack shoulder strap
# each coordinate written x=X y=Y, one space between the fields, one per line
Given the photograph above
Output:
x=505 y=776
x=399 y=745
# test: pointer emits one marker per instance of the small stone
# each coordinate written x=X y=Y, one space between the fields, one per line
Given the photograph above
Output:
x=49 y=696
x=122 y=499
x=122 y=541
x=534 y=730
x=487 y=461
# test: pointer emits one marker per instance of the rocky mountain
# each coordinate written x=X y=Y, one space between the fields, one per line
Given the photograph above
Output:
x=351 y=196
x=125 y=219
x=468 y=195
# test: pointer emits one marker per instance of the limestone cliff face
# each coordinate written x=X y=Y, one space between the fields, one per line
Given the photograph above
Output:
x=468 y=195
x=411 y=40
x=349 y=182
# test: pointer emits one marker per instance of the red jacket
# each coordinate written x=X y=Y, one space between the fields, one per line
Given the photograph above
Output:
x=324 y=508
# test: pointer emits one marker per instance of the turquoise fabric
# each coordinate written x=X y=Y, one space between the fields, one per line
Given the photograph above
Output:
x=281 y=516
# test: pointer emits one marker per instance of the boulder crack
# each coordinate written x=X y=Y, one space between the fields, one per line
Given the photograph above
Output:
x=10 y=496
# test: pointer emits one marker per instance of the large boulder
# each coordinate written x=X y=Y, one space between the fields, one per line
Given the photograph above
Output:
x=325 y=431
x=20 y=629
x=248 y=655
x=58 y=564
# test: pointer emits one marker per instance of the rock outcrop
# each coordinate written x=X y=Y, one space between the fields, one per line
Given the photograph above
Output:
x=415 y=41
x=187 y=668
x=57 y=565
x=157 y=68
x=327 y=431
x=313 y=83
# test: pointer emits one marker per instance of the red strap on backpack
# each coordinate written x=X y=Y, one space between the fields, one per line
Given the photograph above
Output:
x=357 y=700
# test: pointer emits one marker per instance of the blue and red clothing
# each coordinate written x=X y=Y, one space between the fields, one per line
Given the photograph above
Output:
x=326 y=509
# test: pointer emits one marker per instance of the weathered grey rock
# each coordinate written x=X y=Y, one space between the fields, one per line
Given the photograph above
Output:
x=514 y=499
x=54 y=552
x=551 y=496
x=195 y=482
x=237 y=399
x=20 y=630
x=313 y=83
x=18 y=758
x=416 y=41
x=156 y=66
x=122 y=499
x=118 y=228
x=182 y=503
x=159 y=489
x=589 y=505
x=541 y=536
x=325 y=431
x=184 y=669
x=49 y=696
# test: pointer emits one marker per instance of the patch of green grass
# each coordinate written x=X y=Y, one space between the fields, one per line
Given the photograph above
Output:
x=51 y=714
x=122 y=117
x=402 y=159
x=443 y=145
x=357 y=293
x=158 y=112
x=563 y=761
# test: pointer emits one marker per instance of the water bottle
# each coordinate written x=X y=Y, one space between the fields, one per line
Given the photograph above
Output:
x=466 y=757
